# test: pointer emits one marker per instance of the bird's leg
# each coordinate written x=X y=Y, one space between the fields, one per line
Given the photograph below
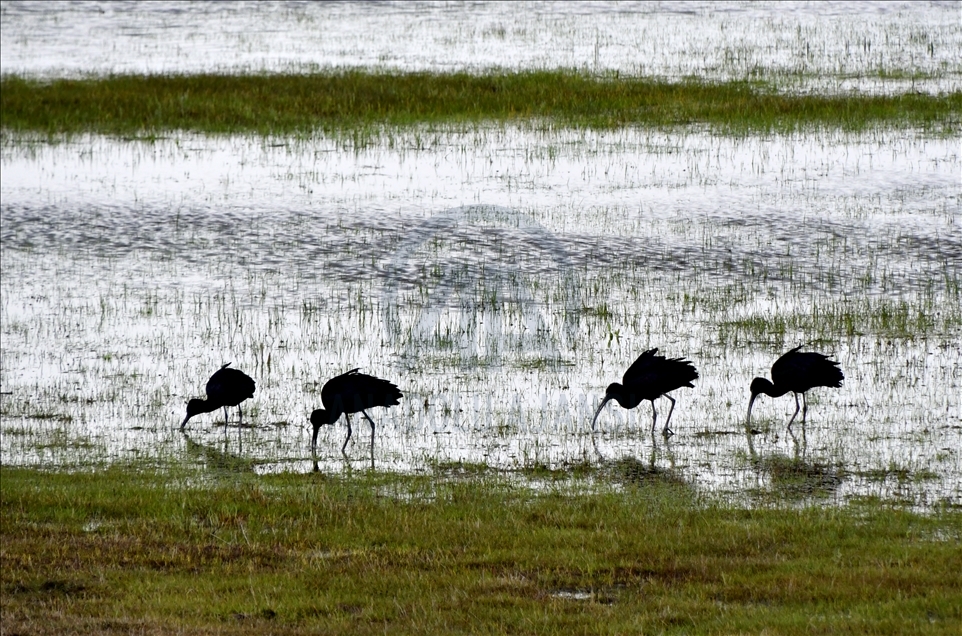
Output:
x=225 y=423
x=654 y=417
x=804 y=408
x=372 y=435
x=796 y=411
x=348 y=418
x=667 y=431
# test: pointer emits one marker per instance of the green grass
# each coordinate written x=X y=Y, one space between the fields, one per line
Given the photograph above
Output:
x=353 y=101
x=124 y=550
x=829 y=321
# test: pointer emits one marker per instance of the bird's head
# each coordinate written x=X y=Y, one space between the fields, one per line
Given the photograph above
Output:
x=759 y=385
x=319 y=417
x=194 y=407
x=613 y=389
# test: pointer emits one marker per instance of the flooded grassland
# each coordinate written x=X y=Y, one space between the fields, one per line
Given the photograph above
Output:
x=722 y=181
x=502 y=276
x=501 y=269
x=818 y=48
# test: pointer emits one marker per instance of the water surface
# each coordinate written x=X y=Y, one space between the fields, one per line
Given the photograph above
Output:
x=502 y=277
x=878 y=47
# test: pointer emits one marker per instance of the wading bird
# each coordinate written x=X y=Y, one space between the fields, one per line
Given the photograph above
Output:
x=650 y=377
x=797 y=371
x=352 y=392
x=227 y=387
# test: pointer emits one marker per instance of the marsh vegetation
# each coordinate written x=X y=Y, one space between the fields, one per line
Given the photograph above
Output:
x=500 y=240
x=359 y=104
x=170 y=550
x=145 y=266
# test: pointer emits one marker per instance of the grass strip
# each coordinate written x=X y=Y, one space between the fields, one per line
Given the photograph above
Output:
x=350 y=101
x=156 y=552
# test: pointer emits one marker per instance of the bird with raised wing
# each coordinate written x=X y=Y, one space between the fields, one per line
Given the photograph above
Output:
x=648 y=378
x=797 y=371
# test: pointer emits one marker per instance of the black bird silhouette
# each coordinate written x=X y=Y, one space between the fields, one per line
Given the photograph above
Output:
x=352 y=392
x=797 y=371
x=227 y=387
x=650 y=377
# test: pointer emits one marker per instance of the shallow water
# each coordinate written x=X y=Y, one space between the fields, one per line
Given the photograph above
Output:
x=503 y=278
x=879 y=47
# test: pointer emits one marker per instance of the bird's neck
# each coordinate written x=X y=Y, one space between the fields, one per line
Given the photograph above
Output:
x=623 y=396
x=203 y=406
x=321 y=417
x=773 y=391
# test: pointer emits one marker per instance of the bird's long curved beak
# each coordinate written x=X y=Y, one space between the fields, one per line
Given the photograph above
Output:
x=748 y=420
x=598 y=412
x=184 y=423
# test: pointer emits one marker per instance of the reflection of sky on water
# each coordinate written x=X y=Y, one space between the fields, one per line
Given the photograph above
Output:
x=670 y=200
x=866 y=46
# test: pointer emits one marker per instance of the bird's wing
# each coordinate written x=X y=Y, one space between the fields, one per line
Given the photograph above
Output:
x=641 y=370
x=228 y=384
x=219 y=381
x=338 y=385
x=676 y=373
x=354 y=390
x=659 y=374
x=789 y=355
x=790 y=367
x=802 y=370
